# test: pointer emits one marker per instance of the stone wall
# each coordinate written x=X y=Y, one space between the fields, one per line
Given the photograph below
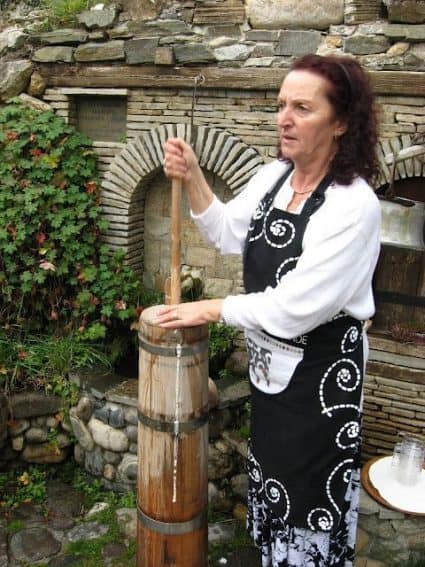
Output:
x=101 y=431
x=394 y=395
x=33 y=429
x=387 y=537
x=235 y=33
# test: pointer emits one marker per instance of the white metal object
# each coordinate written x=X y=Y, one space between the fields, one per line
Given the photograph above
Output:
x=403 y=226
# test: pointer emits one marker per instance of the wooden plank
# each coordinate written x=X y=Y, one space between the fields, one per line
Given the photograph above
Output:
x=398 y=359
x=85 y=92
x=418 y=313
x=129 y=76
x=398 y=270
x=379 y=342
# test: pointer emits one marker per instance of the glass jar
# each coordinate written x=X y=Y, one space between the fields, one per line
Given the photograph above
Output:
x=395 y=461
x=408 y=459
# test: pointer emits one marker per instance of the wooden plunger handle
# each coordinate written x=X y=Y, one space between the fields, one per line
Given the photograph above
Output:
x=176 y=197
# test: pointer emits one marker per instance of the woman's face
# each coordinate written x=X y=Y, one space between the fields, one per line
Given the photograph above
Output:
x=306 y=121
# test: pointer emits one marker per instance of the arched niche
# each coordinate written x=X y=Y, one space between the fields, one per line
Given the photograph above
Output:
x=135 y=180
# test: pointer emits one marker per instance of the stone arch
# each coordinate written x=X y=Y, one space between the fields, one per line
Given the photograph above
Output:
x=390 y=147
x=123 y=189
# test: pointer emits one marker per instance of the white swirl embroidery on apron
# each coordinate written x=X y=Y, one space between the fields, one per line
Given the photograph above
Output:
x=348 y=432
x=273 y=490
x=348 y=378
x=254 y=469
x=278 y=233
x=351 y=340
x=337 y=470
x=258 y=215
x=338 y=316
x=323 y=521
x=287 y=266
x=276 y=493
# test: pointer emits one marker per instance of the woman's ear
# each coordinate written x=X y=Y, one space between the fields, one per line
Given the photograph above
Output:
x=340 y=129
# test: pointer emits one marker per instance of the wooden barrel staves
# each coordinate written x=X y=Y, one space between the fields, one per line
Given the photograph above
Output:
x=172 y=528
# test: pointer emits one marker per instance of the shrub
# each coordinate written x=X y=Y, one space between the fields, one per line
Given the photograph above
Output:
x=56 y=278
x=64 y=12
x=45 y=362
x=29 y=486
x=220 y=346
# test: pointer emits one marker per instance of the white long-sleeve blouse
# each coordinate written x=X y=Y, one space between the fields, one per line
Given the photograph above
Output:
x=334 y=272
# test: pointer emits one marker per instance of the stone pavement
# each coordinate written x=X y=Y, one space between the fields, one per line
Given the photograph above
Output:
x=33 y=535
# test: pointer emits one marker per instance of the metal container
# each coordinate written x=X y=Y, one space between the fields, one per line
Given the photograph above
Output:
x=403 y=225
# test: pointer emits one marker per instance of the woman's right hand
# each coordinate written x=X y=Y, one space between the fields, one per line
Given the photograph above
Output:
x=180 y=161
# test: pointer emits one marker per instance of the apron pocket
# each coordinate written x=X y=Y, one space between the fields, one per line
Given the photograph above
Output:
x=271 y=362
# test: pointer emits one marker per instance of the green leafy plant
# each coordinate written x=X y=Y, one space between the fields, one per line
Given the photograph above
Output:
x=220 y=346
x=15 y=526
x=94 y=491
x=240 y=540
x=225 y=374
x=127 y=500
x=45 y=361
x=56 y=277
x=244 y=429
x=90 y=551
x=64 y=12
x=28 y=486
x=91 y=487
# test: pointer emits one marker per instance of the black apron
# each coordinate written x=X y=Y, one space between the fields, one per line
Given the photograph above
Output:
x=305 y=439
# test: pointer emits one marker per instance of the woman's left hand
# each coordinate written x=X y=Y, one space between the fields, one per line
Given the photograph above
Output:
x=189 y=314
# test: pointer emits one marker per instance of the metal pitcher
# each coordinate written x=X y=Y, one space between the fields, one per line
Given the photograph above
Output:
x=402 y=219
x=403 y=226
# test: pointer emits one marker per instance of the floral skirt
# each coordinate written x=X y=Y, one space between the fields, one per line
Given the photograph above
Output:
x=283 y=545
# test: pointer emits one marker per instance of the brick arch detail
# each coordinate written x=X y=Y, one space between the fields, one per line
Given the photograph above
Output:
x=411 y=167
x=123 y=189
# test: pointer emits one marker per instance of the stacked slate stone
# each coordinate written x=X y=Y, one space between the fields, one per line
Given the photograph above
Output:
x=33 y=429
x=229 y=33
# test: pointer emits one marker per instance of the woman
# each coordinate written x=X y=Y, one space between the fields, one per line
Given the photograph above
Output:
x=308 y=225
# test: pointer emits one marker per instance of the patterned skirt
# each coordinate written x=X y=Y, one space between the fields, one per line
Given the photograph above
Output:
x=283 y=545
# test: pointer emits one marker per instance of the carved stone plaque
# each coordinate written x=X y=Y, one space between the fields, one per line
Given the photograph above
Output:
x=102 y=118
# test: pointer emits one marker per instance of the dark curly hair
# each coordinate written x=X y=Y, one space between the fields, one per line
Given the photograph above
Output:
x=351 y=96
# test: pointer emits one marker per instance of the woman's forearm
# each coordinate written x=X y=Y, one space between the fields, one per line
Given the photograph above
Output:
x=198 y=192
x=180 y=162
x=189 y=314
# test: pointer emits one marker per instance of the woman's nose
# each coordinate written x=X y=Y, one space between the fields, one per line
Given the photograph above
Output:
x=284 y=117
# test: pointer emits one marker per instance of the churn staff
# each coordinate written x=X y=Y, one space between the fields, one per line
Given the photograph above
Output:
x=308 y=226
